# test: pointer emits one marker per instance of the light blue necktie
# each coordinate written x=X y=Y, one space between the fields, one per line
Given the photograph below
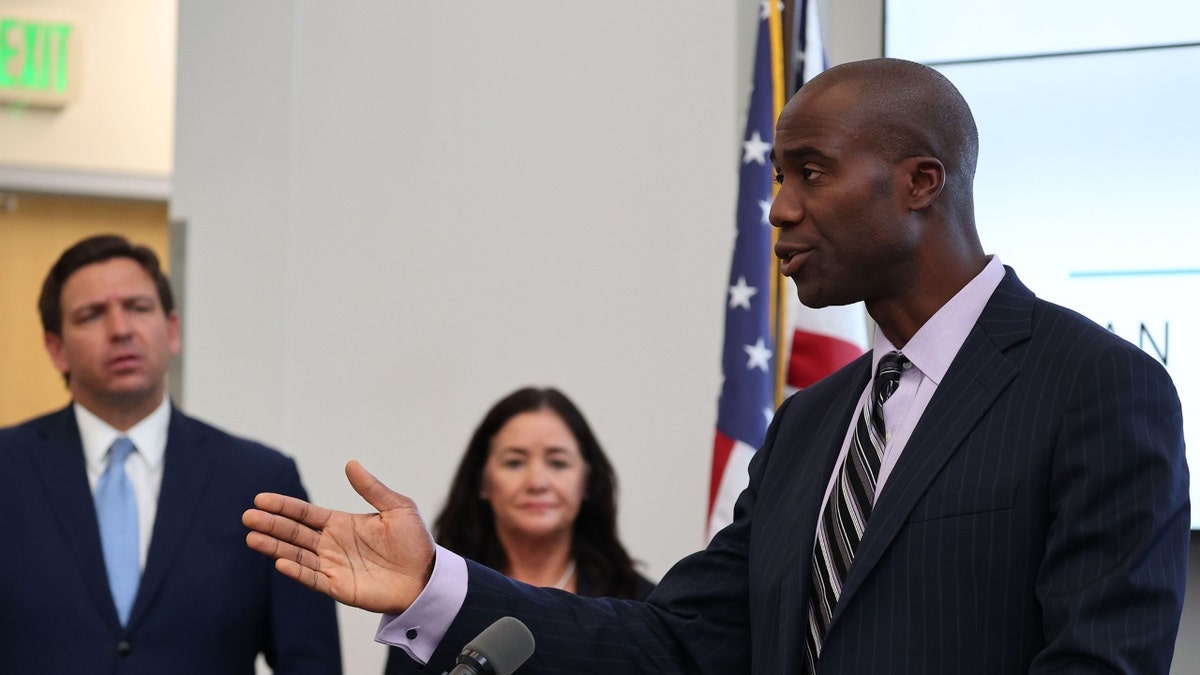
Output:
x=116 y=507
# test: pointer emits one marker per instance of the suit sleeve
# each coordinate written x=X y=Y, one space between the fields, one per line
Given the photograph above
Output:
x=1112 y=576
x=303 y=632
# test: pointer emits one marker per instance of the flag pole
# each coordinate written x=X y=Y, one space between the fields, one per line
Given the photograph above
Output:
x=778 y=317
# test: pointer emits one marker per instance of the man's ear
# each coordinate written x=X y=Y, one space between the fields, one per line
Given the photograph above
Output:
x=926 y=176
x=173 y=340
x=54 y=347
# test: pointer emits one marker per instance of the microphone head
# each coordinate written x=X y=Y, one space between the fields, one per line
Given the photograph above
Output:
x=505 y=644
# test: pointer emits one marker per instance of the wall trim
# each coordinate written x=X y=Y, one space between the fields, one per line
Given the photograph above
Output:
x=90 y=183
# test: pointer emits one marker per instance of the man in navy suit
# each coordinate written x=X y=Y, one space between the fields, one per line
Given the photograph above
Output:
x=194 y=600
x=1019 y=506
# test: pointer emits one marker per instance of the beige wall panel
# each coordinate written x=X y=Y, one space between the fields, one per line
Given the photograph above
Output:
x=121 y=118
x=34 y=231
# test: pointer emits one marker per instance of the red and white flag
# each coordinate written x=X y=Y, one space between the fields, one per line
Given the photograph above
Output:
x=763 y=317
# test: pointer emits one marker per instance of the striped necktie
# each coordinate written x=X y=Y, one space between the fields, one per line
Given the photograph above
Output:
x=116 y=509
x=845 y=516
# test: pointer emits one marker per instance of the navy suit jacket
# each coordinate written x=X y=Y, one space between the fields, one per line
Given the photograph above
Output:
x=206 y=603
x=399 y=663
x=1037 y=522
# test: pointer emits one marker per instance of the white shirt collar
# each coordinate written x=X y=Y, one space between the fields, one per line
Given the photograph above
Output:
x=149 y=436
x=936 y=343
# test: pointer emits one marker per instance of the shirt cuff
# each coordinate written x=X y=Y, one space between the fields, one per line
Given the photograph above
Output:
x=421 y=627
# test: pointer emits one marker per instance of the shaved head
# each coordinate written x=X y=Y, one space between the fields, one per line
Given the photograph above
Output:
x=909 y=110
x=875 y=161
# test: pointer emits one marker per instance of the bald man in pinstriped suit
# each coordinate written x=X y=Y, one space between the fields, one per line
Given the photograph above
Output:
x=1030 y=508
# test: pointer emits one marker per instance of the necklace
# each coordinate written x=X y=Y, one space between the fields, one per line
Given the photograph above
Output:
x=562 y=583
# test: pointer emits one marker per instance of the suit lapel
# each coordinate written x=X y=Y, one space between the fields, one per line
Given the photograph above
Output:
x=62 y=471
x=805 y=482
x=977 y=376
x=185 y=475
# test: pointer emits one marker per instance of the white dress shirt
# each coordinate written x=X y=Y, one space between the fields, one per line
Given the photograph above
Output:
x=931 y=351
x=144 y=467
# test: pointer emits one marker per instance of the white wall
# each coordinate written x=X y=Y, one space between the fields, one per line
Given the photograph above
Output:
x=399 y=212
x=853 y=29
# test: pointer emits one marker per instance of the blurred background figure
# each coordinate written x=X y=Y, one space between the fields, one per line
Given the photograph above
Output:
x=535 y=497
x=123 y=549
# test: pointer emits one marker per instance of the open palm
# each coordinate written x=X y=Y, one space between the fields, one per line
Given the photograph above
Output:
x=376 y=561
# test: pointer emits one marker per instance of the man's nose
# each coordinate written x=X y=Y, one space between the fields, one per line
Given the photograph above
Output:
x=119 y=325
x=785 y=210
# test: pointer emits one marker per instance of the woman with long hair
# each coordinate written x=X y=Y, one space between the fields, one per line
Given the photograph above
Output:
x=535 y=498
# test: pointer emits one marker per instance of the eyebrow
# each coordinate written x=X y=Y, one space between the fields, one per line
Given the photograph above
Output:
x=551 y=450
x=125 y=300
x=802 y=153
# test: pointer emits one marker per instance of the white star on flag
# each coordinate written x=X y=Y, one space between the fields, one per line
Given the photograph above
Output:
x=755 y=150
x=765 y=205
x=740 y=294
x=764 y=9
x=760 y=356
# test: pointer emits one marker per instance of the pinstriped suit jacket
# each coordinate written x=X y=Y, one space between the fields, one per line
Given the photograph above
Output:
x=1037 y=522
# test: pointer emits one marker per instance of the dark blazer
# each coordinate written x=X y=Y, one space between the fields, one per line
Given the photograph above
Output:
x=206 y=604
x=1037 y=522
x=399 y=663
x=585 y=587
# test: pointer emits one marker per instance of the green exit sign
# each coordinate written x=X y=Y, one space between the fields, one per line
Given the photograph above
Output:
x=37 y=58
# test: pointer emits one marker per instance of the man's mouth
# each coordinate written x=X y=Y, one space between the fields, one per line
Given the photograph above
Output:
x=791 y=259
x=124 y=361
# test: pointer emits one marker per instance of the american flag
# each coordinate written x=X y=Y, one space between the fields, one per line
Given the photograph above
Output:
x=817 y=342
x=749 y=359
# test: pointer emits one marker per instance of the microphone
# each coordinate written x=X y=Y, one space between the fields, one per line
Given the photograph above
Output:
x=499 y=650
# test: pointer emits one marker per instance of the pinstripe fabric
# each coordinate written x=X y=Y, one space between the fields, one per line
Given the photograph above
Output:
x=849 y=506
x=1037 y=522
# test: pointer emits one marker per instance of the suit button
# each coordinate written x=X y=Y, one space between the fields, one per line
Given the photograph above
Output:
x=124 y=648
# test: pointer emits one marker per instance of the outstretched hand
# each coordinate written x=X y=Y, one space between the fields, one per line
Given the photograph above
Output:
x=377 y=561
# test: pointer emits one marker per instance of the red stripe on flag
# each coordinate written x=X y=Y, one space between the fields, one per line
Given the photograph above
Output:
x=722 y=448
x=814 y=356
